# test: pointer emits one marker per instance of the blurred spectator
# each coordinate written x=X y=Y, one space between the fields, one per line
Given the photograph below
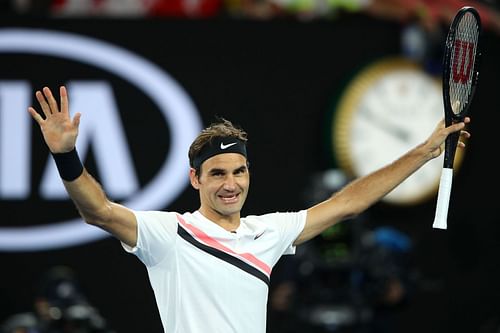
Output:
x=138 y=8
x=118 y=8
x=186 y=8
x=360 y=288
x=59 y=307
x=432 y=13
x=301 y=9
x=429 y=13
x=113 y=8
x=255 y=9
x=26 y=7
x=387 y=277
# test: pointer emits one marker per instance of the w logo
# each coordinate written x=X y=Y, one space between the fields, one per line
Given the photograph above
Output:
x=462 y=61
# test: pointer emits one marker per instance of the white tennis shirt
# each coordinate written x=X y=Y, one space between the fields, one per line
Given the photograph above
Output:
x=207 y=279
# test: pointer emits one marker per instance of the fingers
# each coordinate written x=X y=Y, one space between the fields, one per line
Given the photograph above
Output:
x=64 y=100
x=76 y=120
x=464 y=134
x=43 y=104
x=35 y=115
x=48 y=102
x=459 y=126
x=50 y=99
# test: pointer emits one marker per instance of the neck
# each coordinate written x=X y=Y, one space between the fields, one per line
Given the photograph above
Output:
x=228 y=222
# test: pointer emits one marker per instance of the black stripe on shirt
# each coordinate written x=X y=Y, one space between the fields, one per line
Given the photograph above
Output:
x=223 y=255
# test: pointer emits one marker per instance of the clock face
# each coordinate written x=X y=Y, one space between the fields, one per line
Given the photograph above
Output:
x=388 y=109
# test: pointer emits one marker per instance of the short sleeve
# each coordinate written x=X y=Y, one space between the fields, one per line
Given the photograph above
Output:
x=156 y=234
x=289 y=226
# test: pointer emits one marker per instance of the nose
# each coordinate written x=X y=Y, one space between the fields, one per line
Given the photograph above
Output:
x=229 y=183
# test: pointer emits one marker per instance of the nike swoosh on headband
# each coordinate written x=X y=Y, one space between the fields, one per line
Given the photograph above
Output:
x=223 y=146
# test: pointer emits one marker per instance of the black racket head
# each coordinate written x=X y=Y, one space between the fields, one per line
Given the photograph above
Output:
x=461 y=63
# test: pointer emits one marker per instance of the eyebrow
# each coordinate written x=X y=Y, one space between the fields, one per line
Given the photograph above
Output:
x=219 y=170
x=216 y=170
x=241 y=168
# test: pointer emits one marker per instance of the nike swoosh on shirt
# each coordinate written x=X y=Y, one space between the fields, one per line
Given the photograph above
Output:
x=257 y=236
x=223 y=146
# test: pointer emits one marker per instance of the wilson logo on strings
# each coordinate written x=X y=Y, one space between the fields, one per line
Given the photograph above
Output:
x=463 y=59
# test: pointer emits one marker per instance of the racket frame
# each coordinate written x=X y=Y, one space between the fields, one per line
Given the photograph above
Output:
x=450 y=116
x=451 y=142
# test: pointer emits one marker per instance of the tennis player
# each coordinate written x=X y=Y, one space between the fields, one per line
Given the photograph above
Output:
x=210 y=268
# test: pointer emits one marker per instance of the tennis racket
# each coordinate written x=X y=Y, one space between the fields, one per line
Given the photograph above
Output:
x=460 y=75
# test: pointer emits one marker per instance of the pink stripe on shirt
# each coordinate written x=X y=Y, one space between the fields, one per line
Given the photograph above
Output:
x=200 y=235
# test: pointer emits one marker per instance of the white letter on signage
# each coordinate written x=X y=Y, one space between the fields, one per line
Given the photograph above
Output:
x=100 y=126
x=15 y=139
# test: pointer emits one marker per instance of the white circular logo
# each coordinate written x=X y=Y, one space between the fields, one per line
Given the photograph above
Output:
x=171 y=99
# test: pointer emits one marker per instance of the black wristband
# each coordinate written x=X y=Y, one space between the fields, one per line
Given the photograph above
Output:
x=69 y=165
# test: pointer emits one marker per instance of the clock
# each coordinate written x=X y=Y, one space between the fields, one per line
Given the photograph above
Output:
x=388 y=108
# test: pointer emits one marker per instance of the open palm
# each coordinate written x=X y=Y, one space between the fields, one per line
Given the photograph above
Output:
x=58 y=130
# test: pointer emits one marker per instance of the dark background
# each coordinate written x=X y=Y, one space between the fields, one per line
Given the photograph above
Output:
x=279 y=80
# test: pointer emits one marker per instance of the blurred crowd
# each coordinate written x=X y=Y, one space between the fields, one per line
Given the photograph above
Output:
x=429 y=12
x=59 y=306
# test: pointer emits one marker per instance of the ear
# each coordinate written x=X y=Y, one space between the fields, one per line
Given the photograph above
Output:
x=195 y=182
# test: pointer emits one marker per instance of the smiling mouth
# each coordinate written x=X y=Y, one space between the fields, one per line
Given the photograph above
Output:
x=229 y=199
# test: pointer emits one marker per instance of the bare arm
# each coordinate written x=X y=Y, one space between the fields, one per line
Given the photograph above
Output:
x=60 y=133
x=363 y=192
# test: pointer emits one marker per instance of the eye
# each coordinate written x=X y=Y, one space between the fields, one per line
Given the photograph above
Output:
x=240 y=171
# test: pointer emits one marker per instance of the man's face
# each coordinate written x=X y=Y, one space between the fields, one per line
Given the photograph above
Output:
x=223 y=185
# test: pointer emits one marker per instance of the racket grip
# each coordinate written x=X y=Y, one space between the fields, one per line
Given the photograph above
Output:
x=443 y=199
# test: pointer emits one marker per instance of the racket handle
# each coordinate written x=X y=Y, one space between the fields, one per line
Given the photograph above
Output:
x=443 y=199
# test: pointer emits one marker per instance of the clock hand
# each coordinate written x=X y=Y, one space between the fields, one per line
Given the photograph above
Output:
x=397 y=132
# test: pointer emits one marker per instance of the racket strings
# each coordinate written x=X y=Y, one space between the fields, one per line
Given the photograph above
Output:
x=463 y=55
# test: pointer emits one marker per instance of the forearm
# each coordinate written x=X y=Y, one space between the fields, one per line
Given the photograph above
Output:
x=89 y=198
x=360 y=194
x=363 y=192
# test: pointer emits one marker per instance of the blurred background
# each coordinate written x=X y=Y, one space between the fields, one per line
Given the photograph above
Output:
x=299 y=76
